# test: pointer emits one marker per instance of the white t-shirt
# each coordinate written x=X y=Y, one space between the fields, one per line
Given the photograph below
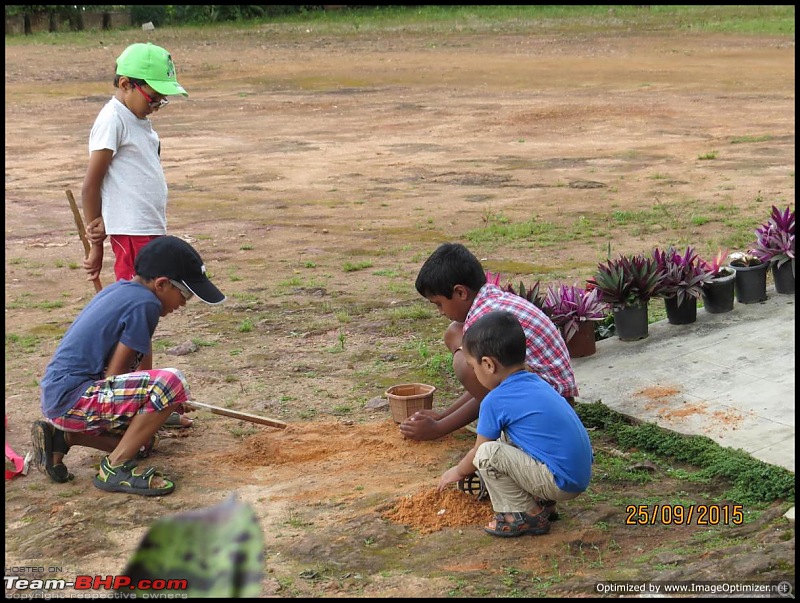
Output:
x=134 y=191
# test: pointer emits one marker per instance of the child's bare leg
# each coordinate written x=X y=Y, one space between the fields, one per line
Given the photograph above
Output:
x=138 y=433
x=105 y=442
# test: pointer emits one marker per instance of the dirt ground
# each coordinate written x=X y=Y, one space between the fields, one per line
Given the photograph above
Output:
x=314 y=173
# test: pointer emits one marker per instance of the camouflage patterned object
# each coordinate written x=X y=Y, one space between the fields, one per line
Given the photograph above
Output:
x=218 y=550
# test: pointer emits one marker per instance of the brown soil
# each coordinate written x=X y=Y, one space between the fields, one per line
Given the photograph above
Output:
x=315 y=173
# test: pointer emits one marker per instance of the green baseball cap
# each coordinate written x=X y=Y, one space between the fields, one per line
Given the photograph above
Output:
x=152 y=64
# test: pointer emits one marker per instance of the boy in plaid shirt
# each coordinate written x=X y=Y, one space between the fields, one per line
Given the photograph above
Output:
x=454 y=280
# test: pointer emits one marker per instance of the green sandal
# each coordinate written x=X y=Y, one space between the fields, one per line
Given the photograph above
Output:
x=129 y=479
x=46 y=440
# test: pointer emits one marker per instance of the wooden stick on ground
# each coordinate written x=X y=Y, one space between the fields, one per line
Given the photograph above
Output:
x=236 y=414
x=82 y=234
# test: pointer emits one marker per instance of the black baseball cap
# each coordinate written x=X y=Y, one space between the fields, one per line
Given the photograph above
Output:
x=174 y=258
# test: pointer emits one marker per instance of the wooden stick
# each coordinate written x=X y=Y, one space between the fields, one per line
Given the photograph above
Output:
x=82 y=234
x=236 y=414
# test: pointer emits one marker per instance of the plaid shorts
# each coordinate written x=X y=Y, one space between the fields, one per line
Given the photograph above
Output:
x=110 y=404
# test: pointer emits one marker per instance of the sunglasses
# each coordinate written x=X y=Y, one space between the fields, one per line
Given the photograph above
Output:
x=187 y=295
x=153 y=104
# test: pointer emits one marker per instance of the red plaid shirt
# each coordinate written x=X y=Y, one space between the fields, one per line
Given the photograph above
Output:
x=547 y=354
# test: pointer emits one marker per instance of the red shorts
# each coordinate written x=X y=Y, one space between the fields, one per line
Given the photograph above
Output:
x=125 y=248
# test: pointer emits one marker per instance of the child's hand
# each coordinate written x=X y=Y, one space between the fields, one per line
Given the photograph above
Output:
x=93 y=262
x=450 y=476
x=96 y=231
x=426 y=412
x=420 y=427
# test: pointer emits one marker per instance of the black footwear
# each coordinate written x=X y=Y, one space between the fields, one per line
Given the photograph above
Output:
x=550 y=507
x=47 y=440
x=521 y=524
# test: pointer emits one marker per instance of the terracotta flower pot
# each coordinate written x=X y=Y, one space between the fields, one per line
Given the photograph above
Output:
x=582 y=343
x=407 y=398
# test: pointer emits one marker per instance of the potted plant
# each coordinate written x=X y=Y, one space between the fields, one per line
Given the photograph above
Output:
x=626 y=284
x=532 y=293
x=682 y=279
x=751 y=277
x=775 y=244
x=575 y=311
x=718 y=291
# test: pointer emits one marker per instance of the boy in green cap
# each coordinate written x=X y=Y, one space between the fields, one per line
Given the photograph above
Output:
x=124 y=191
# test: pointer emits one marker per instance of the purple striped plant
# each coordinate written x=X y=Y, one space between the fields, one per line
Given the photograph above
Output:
x=629 y=280
x=682 y=275
x=716 y=267
x=775 y=238
x=570 y=305
x=531 y=293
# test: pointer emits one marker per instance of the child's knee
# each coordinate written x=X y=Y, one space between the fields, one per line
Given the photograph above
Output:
x=453 y=335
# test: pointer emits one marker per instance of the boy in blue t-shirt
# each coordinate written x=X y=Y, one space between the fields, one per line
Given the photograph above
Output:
x=531 y=449
x=101 y=379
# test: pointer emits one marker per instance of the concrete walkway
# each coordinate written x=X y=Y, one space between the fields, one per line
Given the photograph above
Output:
x=728 y=376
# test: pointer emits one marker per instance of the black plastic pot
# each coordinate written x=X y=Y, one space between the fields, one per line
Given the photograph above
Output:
x=718 y=294
x=784 y=277
x=751 y=283
x=683 y=314
x=630 y=322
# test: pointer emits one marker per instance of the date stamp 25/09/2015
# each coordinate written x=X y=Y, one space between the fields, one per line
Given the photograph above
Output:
x=680 y=515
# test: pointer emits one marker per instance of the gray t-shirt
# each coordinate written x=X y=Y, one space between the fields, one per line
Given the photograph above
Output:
x=134 y=191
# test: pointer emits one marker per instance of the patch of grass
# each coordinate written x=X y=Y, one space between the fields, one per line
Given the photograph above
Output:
x=708 y=156
x=245 y=326
x=388 y=272
x=242 y=432
x=24 y=343
x=245 y=297
x=246 y=247
x=500 y=230
x=413 y=312
x=355 y=267
x=751 y=481
x=746 y=139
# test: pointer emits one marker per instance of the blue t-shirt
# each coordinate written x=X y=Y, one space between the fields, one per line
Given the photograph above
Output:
x=539 y=421
x=125 y=312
